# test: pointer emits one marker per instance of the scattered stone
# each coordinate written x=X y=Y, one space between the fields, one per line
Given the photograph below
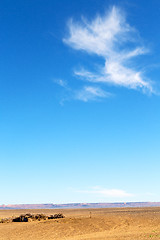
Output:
x=55 y=216
x=40 y=217
x=6 y=220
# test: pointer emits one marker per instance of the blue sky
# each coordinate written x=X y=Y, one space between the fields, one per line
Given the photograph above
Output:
x=79 y=101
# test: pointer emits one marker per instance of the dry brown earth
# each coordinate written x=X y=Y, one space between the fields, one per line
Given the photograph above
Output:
x=110 y=224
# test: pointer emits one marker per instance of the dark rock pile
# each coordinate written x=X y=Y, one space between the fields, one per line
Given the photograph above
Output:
x=23 y=218
x=31 y=217
x=59 y=215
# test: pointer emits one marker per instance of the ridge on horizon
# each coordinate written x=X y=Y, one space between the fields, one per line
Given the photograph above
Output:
x=79 y=205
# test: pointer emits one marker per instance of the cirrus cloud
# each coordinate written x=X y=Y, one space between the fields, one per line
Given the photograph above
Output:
x=88 y=93
x=113 y=39
x=117 y=193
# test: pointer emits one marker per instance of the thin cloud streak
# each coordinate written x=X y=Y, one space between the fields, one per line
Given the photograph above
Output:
x=109 y=37
x=60 y=82
x=117 y=193
x=88 y=93
x=85 y=94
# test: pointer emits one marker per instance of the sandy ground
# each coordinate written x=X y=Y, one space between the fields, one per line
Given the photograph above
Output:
x=111 y=224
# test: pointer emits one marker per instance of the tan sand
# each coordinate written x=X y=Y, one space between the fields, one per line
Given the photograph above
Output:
x=111 y=224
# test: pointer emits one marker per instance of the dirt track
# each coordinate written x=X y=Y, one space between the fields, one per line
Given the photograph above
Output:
x=111 y=224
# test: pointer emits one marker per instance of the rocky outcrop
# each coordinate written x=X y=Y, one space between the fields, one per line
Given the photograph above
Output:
x=59 y=215
x=31 y=217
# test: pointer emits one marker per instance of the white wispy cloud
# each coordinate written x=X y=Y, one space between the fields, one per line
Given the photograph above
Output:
x=85 y=93
x=88 y=93
x=113 y=39
x=60 y=82
x=117 y=193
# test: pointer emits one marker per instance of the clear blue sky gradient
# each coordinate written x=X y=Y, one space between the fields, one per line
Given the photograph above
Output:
x=74 y=151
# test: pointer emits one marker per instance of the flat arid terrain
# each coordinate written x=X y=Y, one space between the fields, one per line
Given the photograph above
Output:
x=99 y=224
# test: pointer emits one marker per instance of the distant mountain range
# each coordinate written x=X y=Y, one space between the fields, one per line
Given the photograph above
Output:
x=80 y=205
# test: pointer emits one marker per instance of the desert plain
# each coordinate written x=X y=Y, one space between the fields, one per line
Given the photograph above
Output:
x=98 y=224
